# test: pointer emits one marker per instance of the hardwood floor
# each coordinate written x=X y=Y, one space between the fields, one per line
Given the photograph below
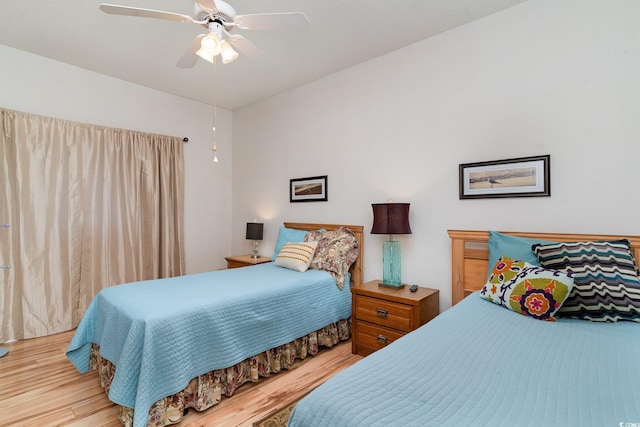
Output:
x=40 y=387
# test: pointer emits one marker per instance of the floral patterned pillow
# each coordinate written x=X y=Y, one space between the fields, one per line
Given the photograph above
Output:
x=336 y=251
x=527 y=289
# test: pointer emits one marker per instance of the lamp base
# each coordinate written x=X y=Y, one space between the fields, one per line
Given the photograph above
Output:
x=255 y=255
x=391 y=274
x=391 y=285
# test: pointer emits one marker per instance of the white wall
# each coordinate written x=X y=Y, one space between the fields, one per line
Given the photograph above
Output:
x=38 y=85
x=558 y=77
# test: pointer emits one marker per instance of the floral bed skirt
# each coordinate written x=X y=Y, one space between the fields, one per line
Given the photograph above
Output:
x=206 y=390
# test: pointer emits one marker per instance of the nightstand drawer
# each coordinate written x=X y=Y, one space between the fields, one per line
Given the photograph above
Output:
x=375 y=337
x=386 y=313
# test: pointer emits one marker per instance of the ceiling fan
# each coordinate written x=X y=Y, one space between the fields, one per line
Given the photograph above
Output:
x=220 y=19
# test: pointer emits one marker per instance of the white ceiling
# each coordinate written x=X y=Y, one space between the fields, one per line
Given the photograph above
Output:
x=144 y=51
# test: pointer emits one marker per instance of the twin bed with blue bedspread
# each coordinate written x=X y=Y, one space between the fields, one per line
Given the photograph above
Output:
x=155 y=337
x=492 y=359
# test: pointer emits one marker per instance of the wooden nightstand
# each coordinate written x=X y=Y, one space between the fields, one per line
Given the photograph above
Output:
x=245 y=261
x=382 y=315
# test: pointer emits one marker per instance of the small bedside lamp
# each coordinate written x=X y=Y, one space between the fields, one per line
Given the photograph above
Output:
x=254 y=232
x=391 y=218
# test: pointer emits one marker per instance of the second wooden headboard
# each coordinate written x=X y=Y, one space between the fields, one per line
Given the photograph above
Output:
x=470 y=255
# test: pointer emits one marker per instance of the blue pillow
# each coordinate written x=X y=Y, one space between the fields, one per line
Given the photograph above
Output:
x=287 y=235
x=518 y=248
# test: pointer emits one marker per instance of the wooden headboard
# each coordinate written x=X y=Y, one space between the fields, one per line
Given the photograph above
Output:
x=356 y=267
x=470 y=255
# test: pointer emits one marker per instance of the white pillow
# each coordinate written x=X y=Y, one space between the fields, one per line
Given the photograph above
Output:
x=296 y=256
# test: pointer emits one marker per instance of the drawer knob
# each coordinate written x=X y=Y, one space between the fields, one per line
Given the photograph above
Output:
x=381 y=339
x=380 y=312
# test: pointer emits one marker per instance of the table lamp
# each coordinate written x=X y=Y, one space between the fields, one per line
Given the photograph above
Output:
x=391 y=218
x=254 y=232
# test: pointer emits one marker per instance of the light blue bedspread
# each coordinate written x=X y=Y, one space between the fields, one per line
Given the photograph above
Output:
x=162 y=333
x=479 y=364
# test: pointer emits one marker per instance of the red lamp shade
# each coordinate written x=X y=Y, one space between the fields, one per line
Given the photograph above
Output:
x=390 y=218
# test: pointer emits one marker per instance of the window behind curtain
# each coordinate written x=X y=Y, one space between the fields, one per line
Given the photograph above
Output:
x=88 y=207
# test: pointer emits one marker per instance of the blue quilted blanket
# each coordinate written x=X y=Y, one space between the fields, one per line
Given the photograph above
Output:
x=162 y=333
x=478 y=364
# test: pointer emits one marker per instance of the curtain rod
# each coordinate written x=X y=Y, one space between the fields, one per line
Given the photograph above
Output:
x=2 y=110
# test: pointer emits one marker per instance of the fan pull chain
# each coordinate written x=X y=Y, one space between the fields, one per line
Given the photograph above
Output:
x=215 y=109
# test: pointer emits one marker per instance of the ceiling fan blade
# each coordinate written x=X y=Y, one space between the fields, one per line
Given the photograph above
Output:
x=207 y=5
x=146 y=13
x=272 y=21
x=253 y=52
x=189 y=57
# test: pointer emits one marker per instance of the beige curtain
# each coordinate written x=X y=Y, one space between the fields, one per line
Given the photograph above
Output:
x=88 y=207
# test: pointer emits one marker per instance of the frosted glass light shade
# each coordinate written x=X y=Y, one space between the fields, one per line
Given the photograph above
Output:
x=391 y=268
x=227 y=52
x=210 y=46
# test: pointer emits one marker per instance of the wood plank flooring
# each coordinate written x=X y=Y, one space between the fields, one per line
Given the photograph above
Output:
x=40 y=387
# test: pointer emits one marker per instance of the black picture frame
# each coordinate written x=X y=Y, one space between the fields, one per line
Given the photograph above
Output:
x=311 y=189
x=518 y=177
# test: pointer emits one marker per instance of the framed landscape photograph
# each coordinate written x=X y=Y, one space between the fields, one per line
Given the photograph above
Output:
x=521 y=177
x=312 y=189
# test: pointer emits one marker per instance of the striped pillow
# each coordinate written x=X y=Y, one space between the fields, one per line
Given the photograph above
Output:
x=606 y=284
x=296 y=256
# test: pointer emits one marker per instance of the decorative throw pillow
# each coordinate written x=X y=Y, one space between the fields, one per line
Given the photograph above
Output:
x=514 y=247
x=296 y=256
x=607 y=288
x=527 y=289
x=337 y=250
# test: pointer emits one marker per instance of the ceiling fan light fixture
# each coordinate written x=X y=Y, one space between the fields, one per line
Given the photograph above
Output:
x=227 y=52
x=210 y=46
